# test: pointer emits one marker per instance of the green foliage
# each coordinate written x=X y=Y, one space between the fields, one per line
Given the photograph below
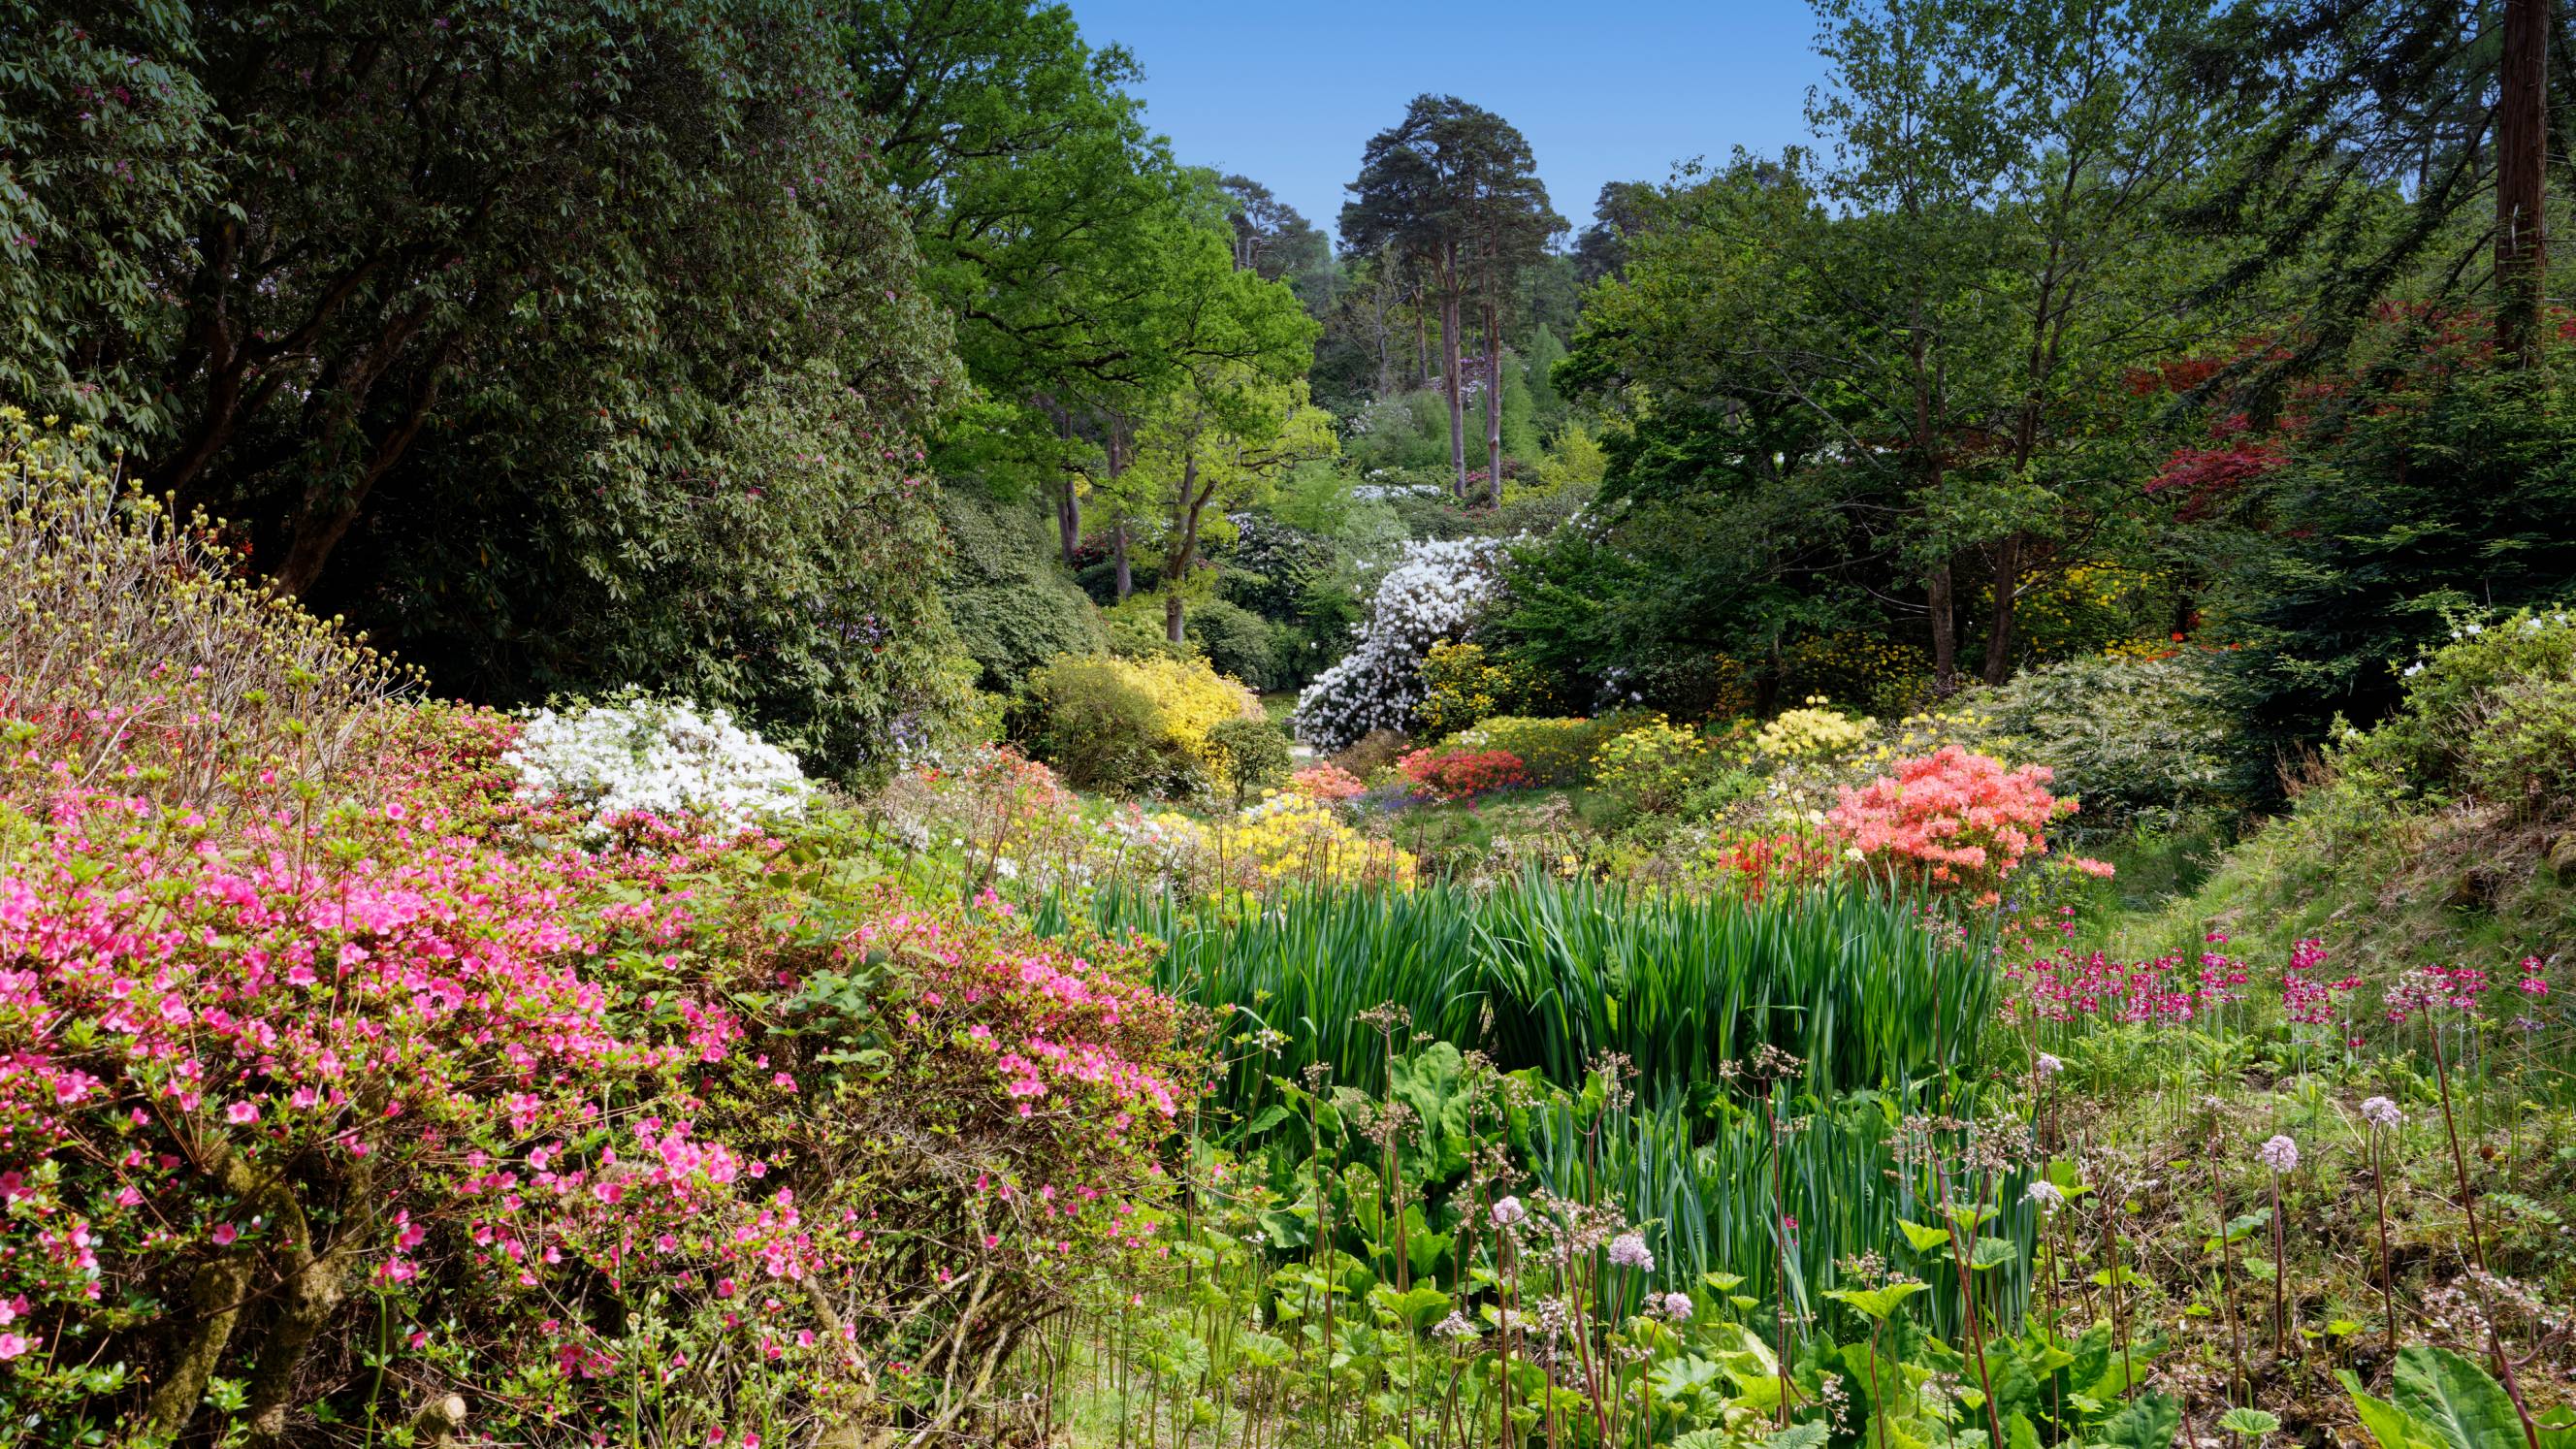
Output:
x=1133 y=727
x=2443 y=1401
x=1850 y=982
x=1237 y=643
x=2135 y=739
x=1012 y=605
x=1251 y=753
x=1553 y=751
x=2446 y=492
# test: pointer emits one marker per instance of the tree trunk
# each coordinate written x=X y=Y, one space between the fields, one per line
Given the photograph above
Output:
x=1945 y=628
x=1999 y=629
x=1493 y=406
x=2522 y=155
x=1118 y=549
x=1068 y=519
x=1184 y=546
x=1449 y=382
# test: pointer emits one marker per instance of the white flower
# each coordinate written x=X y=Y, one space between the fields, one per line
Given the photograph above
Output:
x=2414 y=669
x=2381 y=1112
x=2046 y=1194
x=1509 y=1211
x=2047 y=1066
x=1434 y=592
x=1677 y=1307
x=2280 y=1154
x=664 y=759
x=1628 y=1250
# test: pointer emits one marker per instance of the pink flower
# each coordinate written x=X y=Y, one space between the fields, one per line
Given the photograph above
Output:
x=14 y=1344
x=242 y=1114
x=224 y=1234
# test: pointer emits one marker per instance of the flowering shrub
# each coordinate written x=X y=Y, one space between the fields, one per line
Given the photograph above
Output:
x=657 y=758
x=1751 y=866
x=1135 y=726
x=1326 y=784
x=2133 y=738
x=1434 y=593
x=1461 y=688
x=1454 y=774
x=569 y=1117
x=1652 y=766
x=1959 y=821
x=1292 y=840
x=1810 y=732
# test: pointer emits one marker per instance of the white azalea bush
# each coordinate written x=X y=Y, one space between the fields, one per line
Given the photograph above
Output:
x=663 y=758
x=1438 y=589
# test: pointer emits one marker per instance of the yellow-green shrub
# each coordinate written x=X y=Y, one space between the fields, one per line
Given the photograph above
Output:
x=1551 y=751
x=1810 y=732
x=1652 y=766
x=1134 y=725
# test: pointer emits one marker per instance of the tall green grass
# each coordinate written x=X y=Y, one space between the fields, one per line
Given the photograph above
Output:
x=1546 y=974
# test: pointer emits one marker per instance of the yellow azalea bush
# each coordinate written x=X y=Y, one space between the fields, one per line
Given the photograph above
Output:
x=1811 y=731
x=1292 y=839
x=1651 y=766
x=1137 y=726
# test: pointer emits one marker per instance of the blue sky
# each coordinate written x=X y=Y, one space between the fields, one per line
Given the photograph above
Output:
x=1288 y=93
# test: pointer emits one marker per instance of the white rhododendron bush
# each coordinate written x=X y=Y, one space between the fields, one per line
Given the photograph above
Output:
x=659 y=758
x=1435 y=593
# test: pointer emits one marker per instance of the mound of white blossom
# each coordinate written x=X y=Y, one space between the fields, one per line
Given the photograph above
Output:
x=664 y=758
x=1437 y=590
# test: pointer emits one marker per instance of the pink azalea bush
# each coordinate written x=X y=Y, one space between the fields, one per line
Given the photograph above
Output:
x=1959 y=821
x=680 y=1130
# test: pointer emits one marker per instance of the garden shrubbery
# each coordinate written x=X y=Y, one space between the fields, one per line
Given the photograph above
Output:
x=2135 y=739
x=351 y=1088
x=1133 y=726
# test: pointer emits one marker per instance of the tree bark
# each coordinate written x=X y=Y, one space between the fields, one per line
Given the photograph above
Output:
x=1118 y=550
x=1449 y=381
x=2522 y=156
x=1183 y=548
x=1999 y=629
x=1945 y=628
x=1493 y=405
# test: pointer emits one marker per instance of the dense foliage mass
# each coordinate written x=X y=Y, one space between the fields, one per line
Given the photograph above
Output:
x=1918 y=794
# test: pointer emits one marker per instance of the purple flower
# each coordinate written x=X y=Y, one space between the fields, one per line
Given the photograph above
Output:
x=2280 y=1154
x=1677 y=1307
x=2381 y=1112
x=1628 y=1250
x=1509 y=1211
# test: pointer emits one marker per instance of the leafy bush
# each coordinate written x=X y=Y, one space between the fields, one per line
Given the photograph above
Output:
x=660 y=759
x=2132 y=738
x=1554 y=751
x=1251 y=755
x=1462 y=687
x=1434 y=594
x=1133 y=726
x=1371 y=753
x=1454 y=774
x=131 y=625
x=1958 y=821
x=1291 y=840
x=1011 y=603
x=1810 y=732
x=1651 y=767
x=2478 y=715
x=1237 y=642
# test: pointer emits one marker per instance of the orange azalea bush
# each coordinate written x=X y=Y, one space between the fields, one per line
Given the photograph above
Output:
x=1961 y=822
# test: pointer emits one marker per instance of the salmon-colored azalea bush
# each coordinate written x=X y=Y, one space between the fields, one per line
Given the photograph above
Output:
x=1959 y=821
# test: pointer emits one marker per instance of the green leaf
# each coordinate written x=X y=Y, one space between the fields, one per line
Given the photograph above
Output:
x=2385 y=1422
x=2249 y=1421
x=2149 y=1422
x=1800 y=1436
x=2455 y=1399
x=1878 y=1303
x=1993 y=1253
x=1924 y=1239
x=2020 y=1433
